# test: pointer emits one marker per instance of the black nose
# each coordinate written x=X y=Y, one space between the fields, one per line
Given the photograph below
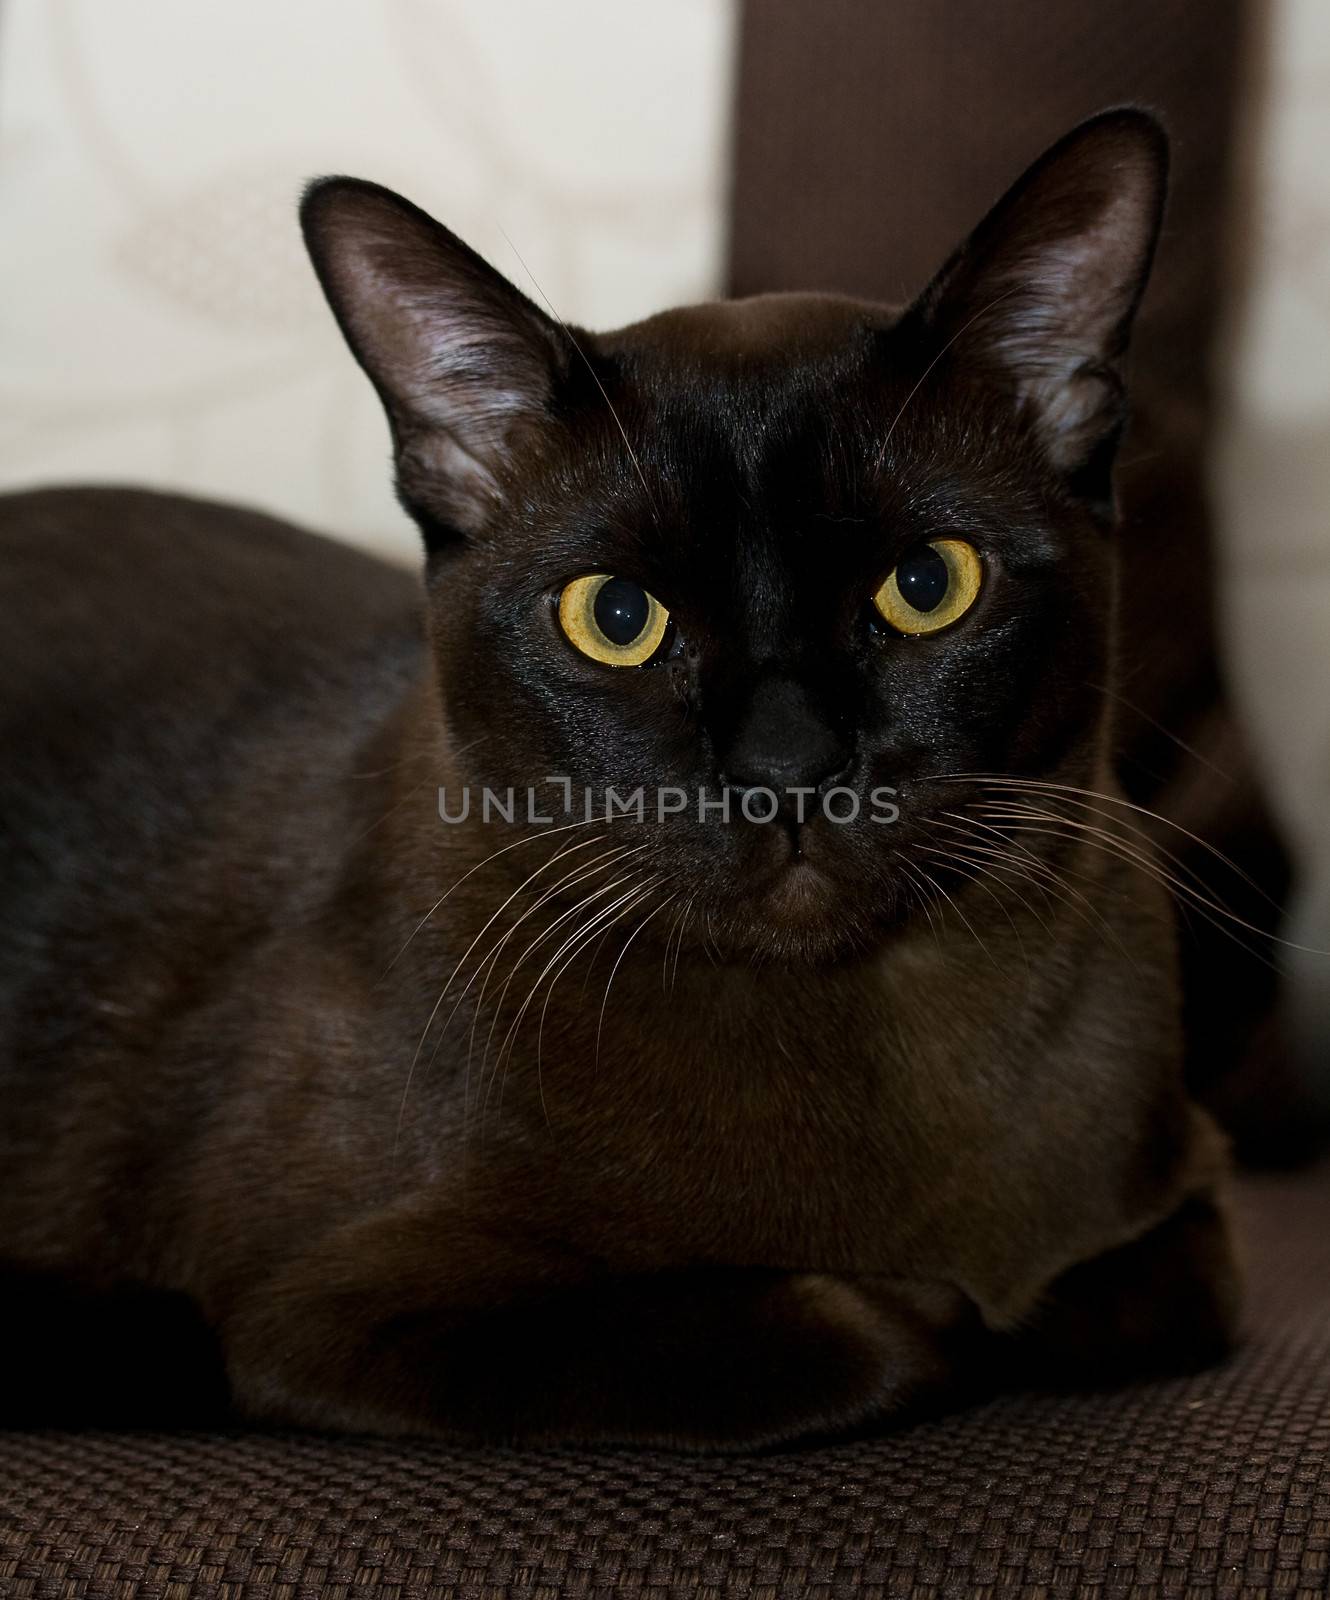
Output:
x=781 y=742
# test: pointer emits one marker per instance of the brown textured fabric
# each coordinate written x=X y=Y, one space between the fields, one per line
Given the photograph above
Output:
x=870 y=137
x=1217 y=1485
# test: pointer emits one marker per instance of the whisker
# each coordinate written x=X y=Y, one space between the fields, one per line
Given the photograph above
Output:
x=568 y=334
x=1143 y=855
x=533 y=838
x=926 y=898
x=665 y=958
x=597 y=942
x=452 y=977
x=417 y=755
x=392 y=810
x=600 y=1021
x=951 y=901
x=573 y=944
x=1050 y=882
x=1159 y=727
x=968 y=869
x=678 y=948
x=540 y=939
x=1097 y=838
x=1130 y=824
x=1054 y=789
x=563 y=917
x=554 y=981
x=571 y=879
x=905 y=404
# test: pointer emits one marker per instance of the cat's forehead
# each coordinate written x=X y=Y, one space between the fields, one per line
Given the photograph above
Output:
x=729 y=336
x=750 y=422
x=740 y=391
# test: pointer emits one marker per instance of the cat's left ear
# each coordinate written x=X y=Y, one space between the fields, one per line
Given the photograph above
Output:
x=464 y=363
x=1041 y=296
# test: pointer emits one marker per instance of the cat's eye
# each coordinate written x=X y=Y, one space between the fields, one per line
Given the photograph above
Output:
x=931 y=586
x=613 y=620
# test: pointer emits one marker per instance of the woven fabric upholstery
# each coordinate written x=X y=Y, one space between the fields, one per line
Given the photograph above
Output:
x=1217 y=1485
x=870 y=138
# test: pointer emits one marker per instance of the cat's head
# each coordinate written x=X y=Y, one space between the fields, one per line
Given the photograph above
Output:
x=792 y=543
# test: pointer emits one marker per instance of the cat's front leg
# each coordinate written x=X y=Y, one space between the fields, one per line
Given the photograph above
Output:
x=533 y=1347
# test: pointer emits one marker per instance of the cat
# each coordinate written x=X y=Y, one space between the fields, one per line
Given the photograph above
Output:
x=714 y=1123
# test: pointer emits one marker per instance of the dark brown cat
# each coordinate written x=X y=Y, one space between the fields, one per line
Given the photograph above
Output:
x=641 y=1122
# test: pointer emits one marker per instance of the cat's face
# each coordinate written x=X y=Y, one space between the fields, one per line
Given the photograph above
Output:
x=786 y=566
x=765 y=521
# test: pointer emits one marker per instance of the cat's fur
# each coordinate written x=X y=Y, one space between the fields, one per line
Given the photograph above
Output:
x=826 y=1148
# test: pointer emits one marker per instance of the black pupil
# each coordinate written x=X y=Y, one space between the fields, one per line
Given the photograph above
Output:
x=622 y=610
x=922 y=578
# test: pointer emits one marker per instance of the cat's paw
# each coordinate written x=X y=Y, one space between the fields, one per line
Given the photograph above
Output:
x=748 y=1359
x=705 y=1358
x=1167 y=1301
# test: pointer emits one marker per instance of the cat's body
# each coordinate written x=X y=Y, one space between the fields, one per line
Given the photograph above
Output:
x=790 y=1143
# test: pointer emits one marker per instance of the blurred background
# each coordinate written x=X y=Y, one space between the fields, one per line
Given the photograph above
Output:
x=159 y=323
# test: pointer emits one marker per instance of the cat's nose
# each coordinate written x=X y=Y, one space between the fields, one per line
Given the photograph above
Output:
x=782 y=742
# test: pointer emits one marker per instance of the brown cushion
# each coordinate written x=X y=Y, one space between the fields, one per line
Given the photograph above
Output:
x=1216 y=1485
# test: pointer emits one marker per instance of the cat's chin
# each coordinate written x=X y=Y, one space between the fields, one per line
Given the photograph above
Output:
x=799 y=892
x=817 y=942
x=797 y=912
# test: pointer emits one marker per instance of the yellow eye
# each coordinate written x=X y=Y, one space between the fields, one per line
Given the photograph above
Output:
x=612 y=620
x=931 y=586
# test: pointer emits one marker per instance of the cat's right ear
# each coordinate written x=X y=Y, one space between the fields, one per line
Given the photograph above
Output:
x=464 y=363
